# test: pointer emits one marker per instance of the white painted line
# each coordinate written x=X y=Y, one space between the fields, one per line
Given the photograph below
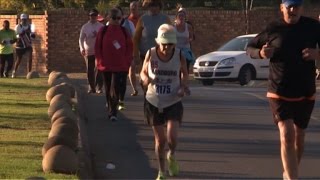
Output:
x=314 y=118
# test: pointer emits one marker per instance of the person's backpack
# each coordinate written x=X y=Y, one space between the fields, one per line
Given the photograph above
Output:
x=104 y=30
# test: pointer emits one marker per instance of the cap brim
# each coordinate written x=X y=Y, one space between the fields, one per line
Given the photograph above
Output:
x=166 y=41
x=288 y=4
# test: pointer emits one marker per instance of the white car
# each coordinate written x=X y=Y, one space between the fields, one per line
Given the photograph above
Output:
x=231 y=63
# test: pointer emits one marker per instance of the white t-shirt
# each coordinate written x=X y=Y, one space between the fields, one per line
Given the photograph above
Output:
x=88 y=36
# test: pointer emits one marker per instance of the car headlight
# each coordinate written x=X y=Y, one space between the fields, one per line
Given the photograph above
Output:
x=227 y=62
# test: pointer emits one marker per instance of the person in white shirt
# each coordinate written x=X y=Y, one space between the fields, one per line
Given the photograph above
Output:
x=164 y=76
x=87 y=42
x=25 y=33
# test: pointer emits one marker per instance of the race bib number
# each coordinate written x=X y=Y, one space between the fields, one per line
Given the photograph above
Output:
x=163 y=89
x=116 y=44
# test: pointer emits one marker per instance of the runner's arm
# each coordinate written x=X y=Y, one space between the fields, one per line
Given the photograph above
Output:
x=144 y=77
x=184 y=72
x=137 y=38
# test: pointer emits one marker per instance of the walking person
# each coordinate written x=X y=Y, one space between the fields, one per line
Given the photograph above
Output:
x=113 y=50
x=25 y=34
x=165 y=87
x=87 y=40
x=133 y=17
x=184 y=36
x=134 y=12
x=7 y=39
x=129 y=26
x=290 y=43
x=146 y=29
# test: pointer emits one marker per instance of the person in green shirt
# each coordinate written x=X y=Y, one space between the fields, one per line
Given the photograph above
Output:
x=7 y=39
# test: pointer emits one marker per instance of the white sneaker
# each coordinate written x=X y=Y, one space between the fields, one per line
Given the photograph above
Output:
x=113 y=118
x=13 y=74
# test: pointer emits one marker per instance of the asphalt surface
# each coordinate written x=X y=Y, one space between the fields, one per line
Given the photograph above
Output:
x=227 y=133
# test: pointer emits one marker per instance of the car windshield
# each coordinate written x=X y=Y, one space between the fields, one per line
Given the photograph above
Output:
x=236 y=44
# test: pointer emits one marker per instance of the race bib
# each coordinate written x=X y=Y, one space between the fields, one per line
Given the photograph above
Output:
x=116 y=44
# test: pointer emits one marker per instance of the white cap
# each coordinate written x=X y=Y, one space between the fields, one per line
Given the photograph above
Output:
x=23 y=16
x=166 y=34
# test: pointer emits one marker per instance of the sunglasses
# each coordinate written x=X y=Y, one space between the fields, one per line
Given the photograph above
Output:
x=116 y=18
x=93 y=15
x=169 y=44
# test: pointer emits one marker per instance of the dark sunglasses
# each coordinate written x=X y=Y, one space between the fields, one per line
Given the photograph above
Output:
x=116 y=18
x=93 y=15
x=169 y=44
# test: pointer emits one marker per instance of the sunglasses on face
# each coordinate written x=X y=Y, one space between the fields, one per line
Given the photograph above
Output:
x=94 y=15
x=169 y=44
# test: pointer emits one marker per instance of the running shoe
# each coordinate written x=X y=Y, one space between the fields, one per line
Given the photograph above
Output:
x=121 y=106
x=91 y=91
x=99 y=91
x=13 y=74
x=161 y=176
x=113 y=118
x=173 y=165
x=5 y=74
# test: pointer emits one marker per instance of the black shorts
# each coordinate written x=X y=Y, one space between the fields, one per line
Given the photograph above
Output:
x=299 y=111
x=21 y=51
x=154 y=118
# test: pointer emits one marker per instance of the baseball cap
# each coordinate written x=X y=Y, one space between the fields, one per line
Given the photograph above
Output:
x=166 y=34
x=93 y=12
x=23 y=16
x=289 y=3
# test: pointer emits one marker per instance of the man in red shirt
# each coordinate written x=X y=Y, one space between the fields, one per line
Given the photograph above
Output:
x=113 y=51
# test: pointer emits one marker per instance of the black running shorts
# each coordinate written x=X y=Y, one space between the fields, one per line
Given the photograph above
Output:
x=299 y=111
x=155 y=118
x=21 y=51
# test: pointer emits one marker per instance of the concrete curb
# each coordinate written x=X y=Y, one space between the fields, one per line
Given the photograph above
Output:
x=84 y=152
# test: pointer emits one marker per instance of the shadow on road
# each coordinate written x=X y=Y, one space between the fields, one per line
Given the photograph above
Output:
x=115 y=143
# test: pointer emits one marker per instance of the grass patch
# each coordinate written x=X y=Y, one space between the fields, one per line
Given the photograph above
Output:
x=24 y=127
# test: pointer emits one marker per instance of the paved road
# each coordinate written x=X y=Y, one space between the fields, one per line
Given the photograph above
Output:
x=227 y=133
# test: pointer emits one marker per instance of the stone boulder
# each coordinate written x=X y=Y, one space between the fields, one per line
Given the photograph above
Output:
x=57 y=105
x=32 y=75
x=65 y=112
x=64 y=88
x=64 y=130
x=64 y=120
x=55 y=75
x=59 y=140
x=60 y=159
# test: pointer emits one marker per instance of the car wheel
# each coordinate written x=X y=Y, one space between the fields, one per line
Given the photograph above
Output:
x=207 y=82
x=246 y=74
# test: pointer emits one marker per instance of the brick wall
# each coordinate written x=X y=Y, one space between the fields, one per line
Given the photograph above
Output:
x=56 y=46
x=63 y=40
